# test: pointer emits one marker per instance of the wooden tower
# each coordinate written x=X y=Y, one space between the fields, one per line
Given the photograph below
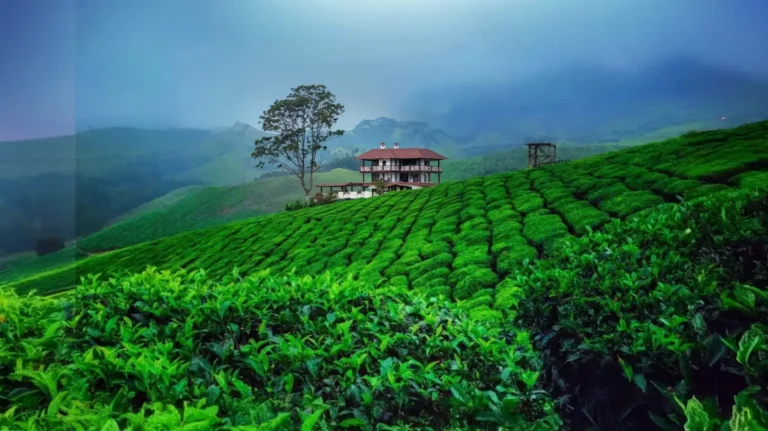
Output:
x=541 y=153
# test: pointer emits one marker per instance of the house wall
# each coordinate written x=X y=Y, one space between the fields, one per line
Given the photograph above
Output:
x=396 y=176
x=354 y=194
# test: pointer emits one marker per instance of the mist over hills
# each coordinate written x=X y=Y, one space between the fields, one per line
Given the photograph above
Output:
x=73 y=185
x=587 y=103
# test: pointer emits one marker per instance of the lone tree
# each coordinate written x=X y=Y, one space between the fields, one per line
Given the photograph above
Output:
x=302 y=123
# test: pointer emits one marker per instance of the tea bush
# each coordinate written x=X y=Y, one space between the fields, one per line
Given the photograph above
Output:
x=648 y=311
x=673 y=300
x=159 y=350
x=630 y=202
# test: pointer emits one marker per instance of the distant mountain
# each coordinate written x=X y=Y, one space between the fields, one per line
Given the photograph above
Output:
x=98 y=152
x=192 y=155
x=71 y=186
x=369 y=133
x=232 y=163
x=590 y=104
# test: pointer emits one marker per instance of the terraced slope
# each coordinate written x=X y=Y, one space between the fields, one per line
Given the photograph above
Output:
x=655 y=321
x=457 y=238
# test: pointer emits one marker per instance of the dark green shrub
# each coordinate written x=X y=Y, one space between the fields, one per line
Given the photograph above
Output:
x=526 y=202
x=476 y=301
x=398 y=281
x=472 y=256
x=540 y=228
x=674 y=186
x=592 y=184
x=513 y=256
x=471 y=238
x=438 y=291
x=471 y=213
x=629 y=203
x=483 y=313
x=474 y=224
x=430 y=250
x=751 y=180
x=508 y=296
x=438 y=277
x=603 y=193
x=644 y=180
x=645 y=300
x=507 y=242
x=469 y=280
x=540 y=212
x=503 y=213
x=704 y=190
x=442 y=260
x=581 y=215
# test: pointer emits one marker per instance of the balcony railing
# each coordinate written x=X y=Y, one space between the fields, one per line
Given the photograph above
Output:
x=394 y=168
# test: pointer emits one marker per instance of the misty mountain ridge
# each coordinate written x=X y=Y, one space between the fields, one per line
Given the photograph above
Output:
x=588 y=103
x=367 y=135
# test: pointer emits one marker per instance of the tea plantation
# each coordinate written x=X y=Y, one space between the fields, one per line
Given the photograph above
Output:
x=624 y=291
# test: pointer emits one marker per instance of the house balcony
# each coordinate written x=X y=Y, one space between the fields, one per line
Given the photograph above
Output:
x=394 y=168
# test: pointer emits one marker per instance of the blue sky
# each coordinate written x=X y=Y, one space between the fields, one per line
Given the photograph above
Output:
x=207 y=63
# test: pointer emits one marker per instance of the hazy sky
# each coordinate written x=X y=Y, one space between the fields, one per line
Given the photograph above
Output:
x=196 y=63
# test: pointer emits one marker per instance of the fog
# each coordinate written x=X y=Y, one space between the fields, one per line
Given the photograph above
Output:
x=190 y=63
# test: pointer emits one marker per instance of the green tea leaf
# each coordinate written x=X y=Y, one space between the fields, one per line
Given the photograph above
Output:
x=352 y=422
x=110 y=425
x=640 y=381
x=697 y=417
x=309 y=423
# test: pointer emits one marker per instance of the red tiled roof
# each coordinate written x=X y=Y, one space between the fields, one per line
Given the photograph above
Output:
x=401 y=153
x=338 y=184
x=406 y=184
x=388 y=184
x=412 y=184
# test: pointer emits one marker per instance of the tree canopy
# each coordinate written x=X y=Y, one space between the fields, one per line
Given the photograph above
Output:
x=301 y=124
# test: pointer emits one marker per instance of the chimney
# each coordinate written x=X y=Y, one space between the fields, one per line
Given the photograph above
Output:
x=396 y=145
x=382 y=145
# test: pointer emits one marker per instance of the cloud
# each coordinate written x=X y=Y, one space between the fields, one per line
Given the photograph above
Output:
x=203 y=63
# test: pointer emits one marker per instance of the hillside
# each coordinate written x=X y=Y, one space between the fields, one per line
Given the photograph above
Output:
x=631 y=287
x=513 y=159
x=584 y=105
x=534 y=207
x=97 y=153
x=181 y=210
x=198 y=207
x=195 y=207
x=72 y=186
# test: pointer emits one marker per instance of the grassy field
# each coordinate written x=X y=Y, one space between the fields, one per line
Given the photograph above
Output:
x=638 y=276
x=198 y=207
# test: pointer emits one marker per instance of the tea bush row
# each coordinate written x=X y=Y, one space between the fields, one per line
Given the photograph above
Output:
x=658 y=316
x=464 y=216
x=178 y=351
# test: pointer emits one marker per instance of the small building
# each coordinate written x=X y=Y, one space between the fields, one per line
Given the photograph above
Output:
x=398 y=168
x=542 y=153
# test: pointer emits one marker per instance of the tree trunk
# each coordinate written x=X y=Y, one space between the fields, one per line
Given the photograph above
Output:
x=307 y=190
